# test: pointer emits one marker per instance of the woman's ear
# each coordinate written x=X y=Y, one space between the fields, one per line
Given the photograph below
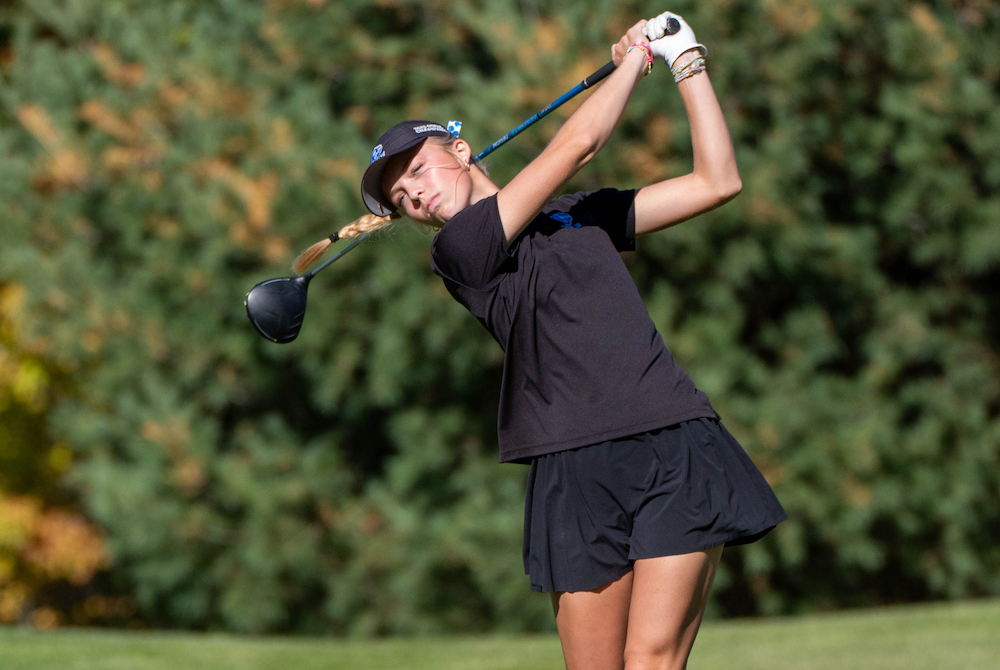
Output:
x=464 y=151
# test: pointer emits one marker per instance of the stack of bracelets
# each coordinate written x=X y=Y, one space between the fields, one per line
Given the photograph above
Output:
x=682 y=72
x=649 y=54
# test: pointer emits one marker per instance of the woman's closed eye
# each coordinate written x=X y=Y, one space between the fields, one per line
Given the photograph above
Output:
x=415 y=171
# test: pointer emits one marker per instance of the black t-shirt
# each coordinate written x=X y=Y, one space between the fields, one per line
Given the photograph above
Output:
x=583 y=361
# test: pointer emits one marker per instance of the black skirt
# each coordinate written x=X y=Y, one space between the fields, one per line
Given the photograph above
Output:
x=590 y=512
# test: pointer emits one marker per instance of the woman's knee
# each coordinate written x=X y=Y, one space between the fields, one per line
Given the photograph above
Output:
x=662 y=656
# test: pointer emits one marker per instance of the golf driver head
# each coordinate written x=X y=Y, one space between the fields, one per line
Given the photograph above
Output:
x=276 y=307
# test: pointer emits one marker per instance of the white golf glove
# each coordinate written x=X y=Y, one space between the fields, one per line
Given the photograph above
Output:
x=669 y=47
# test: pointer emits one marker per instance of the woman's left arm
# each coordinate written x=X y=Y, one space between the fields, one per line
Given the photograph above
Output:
x=715 y=178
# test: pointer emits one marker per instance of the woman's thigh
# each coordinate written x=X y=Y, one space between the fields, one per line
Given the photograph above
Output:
x=668 y=600
x=593 y=624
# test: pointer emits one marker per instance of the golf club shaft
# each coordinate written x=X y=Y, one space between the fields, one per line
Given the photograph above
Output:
x=672 y=27
x=589 y=81
x=355 y=242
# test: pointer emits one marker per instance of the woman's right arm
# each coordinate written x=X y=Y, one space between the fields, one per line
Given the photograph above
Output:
x=577 y=142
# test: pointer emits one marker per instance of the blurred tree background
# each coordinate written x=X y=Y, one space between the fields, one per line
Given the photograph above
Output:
x=162 y=465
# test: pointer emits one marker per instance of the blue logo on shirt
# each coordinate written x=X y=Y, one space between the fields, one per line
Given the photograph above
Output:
x=565 y=219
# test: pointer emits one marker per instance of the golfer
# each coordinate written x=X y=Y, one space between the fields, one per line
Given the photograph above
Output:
x=634 y=486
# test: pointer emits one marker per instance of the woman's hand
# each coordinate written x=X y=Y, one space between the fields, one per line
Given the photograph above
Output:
x=633 y=35
x=669 y=47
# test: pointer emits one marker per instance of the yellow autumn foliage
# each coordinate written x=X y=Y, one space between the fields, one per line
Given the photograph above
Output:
x=40 y=543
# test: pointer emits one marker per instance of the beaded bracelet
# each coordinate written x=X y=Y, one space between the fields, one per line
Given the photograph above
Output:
x=682 y=72
x=649 y=54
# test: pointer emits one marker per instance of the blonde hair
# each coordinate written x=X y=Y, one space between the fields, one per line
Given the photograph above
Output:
x=370 y=222
x=365 y=224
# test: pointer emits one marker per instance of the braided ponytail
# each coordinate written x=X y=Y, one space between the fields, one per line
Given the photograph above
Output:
x=366 y=223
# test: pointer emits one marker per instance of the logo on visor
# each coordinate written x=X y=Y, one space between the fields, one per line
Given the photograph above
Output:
x=429 y=128
x=377 y=153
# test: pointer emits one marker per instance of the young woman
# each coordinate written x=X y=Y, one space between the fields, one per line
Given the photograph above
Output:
x=634 y=486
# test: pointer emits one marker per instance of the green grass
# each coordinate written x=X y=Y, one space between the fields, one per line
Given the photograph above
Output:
x=963 y=635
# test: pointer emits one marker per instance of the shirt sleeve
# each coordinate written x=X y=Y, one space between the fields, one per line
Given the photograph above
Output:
x=470 y=248
x=613 y=210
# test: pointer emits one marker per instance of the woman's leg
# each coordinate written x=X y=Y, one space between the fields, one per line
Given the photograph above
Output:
x=669 y=595
x=592 y=625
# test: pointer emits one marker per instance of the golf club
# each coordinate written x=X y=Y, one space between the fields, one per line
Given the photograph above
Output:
x=276 y=307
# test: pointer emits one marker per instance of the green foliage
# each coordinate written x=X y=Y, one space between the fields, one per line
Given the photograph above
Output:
x=161 y=158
